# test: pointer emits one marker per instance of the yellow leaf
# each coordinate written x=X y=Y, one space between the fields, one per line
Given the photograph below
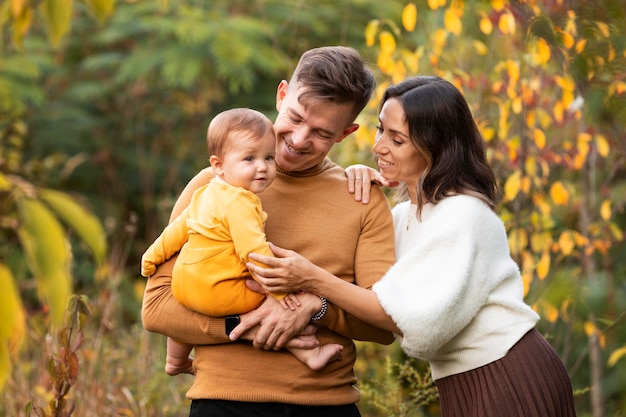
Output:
x=412 y=59
x=558 y=111
x=616 y=231
x=387 y=42
x=436 y=4
x=485 y=24
x=516 y=105
x=512 y=69
x=5 y=184
x=12 y=322
x=497 y=5
x=566 y=243
x=590 y=328
x=22 y=24
x=439 y=38
x=101 y=8
x=57 y=15
x=512 y=186
x=579 y=239
x=370 y=32
x=12 y=319
x=568 y=39
x=583 y=149
x=527 y=279
x=605 y=210
x=620 y=86
x=540 y=138
x=5 y=364
x=543 y=266
x=488 y=133
x=480 y=48
x=604 y=29
x=80 y=220
x=559 y=194
x=531 y=118
x=603 y=145
x=409 y=17
x=48 y=254
x=385 y=63
x=580 y=45
x=531 y=166
x=17 y=7
x=540 y=242
x=518 y=240
x=452 y=21
x=550 y=312
x=616 y=355
x=543 y=52
x=506 y=23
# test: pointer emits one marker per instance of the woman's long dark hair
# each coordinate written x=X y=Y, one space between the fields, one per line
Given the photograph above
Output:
x=442 y=127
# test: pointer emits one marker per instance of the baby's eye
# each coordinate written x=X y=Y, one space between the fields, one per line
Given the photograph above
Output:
x=249 y=158
x=269 y=158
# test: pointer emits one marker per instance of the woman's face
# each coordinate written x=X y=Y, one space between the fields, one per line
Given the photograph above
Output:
x=398 y=159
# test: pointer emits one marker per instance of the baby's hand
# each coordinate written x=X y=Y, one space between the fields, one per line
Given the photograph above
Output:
x=290 y=301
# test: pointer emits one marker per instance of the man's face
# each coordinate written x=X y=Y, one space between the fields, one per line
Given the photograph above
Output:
x=306 y=131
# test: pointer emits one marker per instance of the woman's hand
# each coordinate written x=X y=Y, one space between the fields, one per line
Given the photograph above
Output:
x=287 y=272
x=360 y=179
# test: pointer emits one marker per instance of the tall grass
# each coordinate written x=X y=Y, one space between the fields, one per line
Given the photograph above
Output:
x=119 y=371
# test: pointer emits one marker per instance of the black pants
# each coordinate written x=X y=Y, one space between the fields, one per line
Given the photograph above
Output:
x=223 y=408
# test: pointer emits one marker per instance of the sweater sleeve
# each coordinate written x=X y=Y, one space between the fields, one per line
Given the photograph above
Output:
x=435 y=290
x=375 y=254
x=166 y=245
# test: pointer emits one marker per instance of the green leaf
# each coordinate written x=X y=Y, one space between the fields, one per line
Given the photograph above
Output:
x=79 y=219
x=48 y=253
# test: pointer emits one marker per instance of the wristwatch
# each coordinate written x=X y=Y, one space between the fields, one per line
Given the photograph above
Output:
x=230 y=322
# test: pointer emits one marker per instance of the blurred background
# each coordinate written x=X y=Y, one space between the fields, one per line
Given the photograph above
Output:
x=103 y=112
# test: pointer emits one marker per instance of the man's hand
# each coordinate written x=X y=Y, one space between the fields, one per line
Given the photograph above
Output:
x=271 y=325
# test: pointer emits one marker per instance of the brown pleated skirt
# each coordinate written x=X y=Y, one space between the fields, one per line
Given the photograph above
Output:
x=530 y=381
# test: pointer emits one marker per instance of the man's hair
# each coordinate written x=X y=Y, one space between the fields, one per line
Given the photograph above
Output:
x=336 y=74
x=222 y=127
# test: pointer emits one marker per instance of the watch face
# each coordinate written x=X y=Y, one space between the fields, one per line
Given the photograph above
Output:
x=230 y=323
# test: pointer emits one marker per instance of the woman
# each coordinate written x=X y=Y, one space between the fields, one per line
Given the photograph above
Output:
x=455 y=295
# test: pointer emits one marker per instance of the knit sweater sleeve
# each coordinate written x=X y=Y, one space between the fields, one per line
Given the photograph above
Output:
x=166 y=245
x=374 y=255
x=436 y=288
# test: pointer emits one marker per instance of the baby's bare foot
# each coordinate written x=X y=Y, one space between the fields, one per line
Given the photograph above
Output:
x=323 y=355
x=174 y=366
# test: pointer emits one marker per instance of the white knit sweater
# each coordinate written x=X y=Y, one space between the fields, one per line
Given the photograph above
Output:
x=455 y=292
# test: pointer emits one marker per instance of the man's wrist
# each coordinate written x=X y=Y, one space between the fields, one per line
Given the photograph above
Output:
x=320 y=314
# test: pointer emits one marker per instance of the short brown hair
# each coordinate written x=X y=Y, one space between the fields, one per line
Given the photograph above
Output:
x=337 y=74
x=226 y=123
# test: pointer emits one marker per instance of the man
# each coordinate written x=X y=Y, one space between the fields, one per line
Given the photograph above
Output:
x=311 y=212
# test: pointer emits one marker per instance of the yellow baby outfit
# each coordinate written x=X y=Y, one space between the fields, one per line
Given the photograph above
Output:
x=215 y=234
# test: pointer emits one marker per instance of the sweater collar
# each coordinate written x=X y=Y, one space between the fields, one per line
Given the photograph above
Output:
x=310 y=172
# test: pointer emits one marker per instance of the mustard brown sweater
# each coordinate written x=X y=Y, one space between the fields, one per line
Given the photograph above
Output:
x=312 y=213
